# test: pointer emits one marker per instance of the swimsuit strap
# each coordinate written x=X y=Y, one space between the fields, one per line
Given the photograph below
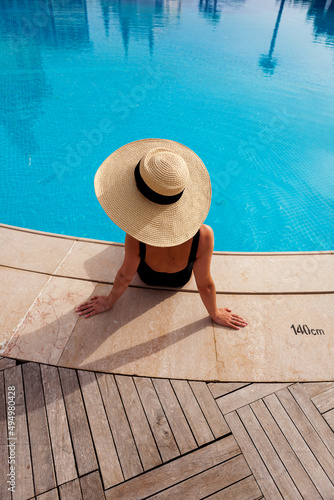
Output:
x=193 y=250
x=142 y=250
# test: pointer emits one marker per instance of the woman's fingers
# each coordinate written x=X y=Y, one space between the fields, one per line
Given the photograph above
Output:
x=232 y=320
x=234 y=327
x=90 y=314
x=86 y=311
x=94 y=305
x=86 y=303
x=83 y=307
x=238 y=318
x=240 y=323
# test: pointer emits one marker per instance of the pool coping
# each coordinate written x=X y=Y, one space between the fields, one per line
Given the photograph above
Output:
x=106 y=242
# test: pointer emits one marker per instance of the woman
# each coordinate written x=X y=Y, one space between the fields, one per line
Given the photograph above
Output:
x=158 y=191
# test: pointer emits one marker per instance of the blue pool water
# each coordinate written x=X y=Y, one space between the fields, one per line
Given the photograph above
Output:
x=247 y=84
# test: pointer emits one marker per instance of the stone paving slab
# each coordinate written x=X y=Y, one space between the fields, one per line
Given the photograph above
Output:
x=273 y=273
x=268 y=349
x=148 y=333
x=18 y=290
x=43 y=333
x=92 y=261
x=31 y=250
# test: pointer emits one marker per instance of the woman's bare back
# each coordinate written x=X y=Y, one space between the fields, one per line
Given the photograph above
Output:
x=168 y=259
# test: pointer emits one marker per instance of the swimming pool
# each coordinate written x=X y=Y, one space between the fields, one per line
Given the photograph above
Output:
x=247 y=84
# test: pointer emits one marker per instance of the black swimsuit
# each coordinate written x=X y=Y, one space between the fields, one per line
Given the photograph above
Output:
x=155 y=278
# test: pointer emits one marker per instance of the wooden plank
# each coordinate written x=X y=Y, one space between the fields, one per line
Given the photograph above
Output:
x=70 y=491
x=329 y=417
x=125 y=445
x=247 y=489
x=299 y=446
x=314 y=416
x=6 y=363
x=4 y=466
x=246 y=396
x=141 y=431
x=193 y=412
x=285 y=452
x=104 y=444
x=175 y=416
x=324 y=401
x=314 y=388
x=91 y=487
x=24 y=486
x=40 y=445
x=308 y=432
x=254 y=460
x=274 y=465
x=210 y=409
x=219 y=389
x=157 y=420
x=208 y=482
x=60 y=435
x=175 y=471
x=77 y=419
x=49 y=495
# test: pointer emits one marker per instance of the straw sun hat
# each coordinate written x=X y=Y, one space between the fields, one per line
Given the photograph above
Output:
x=156 y=190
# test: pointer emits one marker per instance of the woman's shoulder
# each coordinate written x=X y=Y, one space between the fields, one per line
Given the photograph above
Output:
x=206 y=232
x=206 y=240
x=131 y=244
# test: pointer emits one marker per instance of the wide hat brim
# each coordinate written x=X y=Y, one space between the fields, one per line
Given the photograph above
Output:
x=149 y=222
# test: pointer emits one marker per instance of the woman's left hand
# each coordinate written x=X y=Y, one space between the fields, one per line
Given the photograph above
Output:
x=225 y=317
x=94 y=305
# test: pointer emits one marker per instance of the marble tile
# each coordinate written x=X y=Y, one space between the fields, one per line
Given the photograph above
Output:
x=18 y=290
x=92 y=261
x=46 y=328
x=273 y=273
x=147 y=333
x=32 y=251
x=268 y=350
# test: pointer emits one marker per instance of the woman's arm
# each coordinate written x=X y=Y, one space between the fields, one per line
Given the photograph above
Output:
x=205 y=283
x=102 y=303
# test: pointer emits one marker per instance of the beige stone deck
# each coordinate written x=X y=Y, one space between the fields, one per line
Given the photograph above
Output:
x=152 y=400
x=167 y=333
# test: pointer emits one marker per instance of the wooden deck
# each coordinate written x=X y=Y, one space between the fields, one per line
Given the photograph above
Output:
x=88 y=435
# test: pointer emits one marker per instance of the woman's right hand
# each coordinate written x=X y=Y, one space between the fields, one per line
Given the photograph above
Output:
x=224 y=317
x=94 y=305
